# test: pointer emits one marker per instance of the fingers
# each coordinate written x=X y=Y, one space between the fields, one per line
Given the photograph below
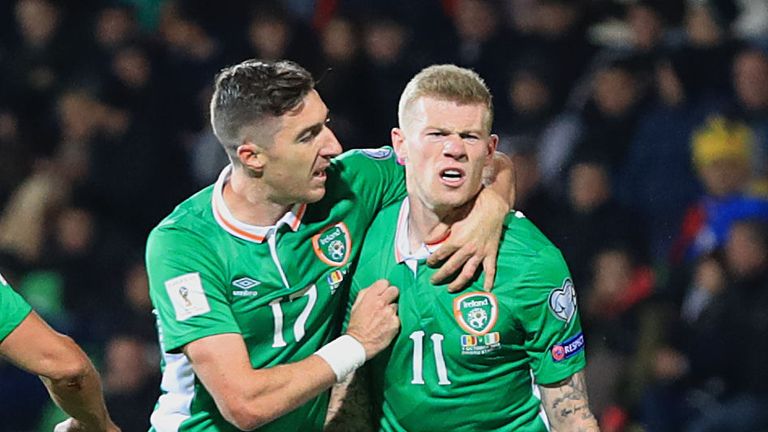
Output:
x=390 y=293
x=382 y=288
x=374 y=321
x=489 y=269
x=467 y=273
x=446 y=250
x=453 y=264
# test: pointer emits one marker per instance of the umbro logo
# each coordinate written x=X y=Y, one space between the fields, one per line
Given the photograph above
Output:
x=245 y=284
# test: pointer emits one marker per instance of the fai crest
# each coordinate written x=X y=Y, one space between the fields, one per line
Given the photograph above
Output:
x=476 y=312
x=562 y=301
x=333 y=245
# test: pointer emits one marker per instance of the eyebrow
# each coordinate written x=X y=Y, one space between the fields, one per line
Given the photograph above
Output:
x=459 y=132
x=313 y=129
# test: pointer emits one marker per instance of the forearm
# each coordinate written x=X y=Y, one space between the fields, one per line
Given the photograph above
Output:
x=285 y=388
x=248 y=397
x=567 y=406
x=80 y=397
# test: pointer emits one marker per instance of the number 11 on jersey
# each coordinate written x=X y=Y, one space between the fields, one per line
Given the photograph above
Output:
x=418 y=357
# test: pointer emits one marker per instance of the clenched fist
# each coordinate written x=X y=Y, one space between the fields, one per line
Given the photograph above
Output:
x=373 y=320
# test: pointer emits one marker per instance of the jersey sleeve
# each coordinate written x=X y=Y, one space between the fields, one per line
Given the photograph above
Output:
x=14 y=309
x=547 y=311
x=186 y=289
x=374 y=175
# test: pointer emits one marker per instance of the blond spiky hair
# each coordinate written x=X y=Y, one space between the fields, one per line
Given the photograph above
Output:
x=721 y=139
x=447 y=82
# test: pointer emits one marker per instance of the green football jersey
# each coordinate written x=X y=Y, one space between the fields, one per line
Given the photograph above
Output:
x=281 y=287
x=14 y=308
x=470 y=361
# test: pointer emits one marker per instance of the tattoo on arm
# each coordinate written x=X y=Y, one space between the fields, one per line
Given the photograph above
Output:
x=567 y=405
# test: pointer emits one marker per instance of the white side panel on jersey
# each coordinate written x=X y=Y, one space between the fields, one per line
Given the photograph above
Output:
x=178 y=382
x=537 y=395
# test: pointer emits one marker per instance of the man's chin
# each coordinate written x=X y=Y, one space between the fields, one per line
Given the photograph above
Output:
x=315 y=196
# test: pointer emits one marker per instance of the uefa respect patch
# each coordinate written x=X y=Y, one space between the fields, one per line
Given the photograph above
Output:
x=568 y=349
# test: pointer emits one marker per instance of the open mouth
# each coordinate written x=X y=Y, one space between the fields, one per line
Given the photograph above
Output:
x=319 y=173
x=453 y=176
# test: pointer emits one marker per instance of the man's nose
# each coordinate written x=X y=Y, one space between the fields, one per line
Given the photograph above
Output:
x=453 y=147
x=331 y=146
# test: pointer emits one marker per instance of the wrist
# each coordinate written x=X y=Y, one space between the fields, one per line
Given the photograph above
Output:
x=344 y=355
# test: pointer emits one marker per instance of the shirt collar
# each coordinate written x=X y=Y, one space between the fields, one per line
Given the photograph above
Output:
x=252 y=233
x=403 y=251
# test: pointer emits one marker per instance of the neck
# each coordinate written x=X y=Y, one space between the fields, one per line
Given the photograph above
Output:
x=249 y=202
x=431 y=224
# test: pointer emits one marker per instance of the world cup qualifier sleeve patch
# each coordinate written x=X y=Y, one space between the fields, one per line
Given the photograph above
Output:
x=187 y=296
x=562 y=301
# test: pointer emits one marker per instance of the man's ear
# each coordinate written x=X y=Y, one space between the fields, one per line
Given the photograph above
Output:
x=252 y=157
x=398 y=143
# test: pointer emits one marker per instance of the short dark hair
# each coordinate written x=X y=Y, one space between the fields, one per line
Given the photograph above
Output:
x=251 y=91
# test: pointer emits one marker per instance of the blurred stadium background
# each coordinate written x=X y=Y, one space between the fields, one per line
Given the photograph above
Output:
x=639 y=130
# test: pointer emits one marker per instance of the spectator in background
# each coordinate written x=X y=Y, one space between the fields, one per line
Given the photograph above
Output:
x=593 y=220
x=657 y=178
x=649 y=34
x=531 y=197
x=386 y=45
x=136 y=318
x=710 y=47
x=16 y=156
x=343 y=83
x=721 y=155
x=559 y=34
x=189 y=56
x=274 y=35
x=604 y=128
x=206 y=157
x=612 y=308
x=649 y=22
x=750 y=80
x=688 y=362
x=114 y=26
x=485 y=48
x=531 y=106
x=42 y=62
x=130 y=381
x=717 y=381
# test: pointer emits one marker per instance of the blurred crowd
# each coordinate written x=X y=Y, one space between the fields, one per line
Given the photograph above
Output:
x=639 y=130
